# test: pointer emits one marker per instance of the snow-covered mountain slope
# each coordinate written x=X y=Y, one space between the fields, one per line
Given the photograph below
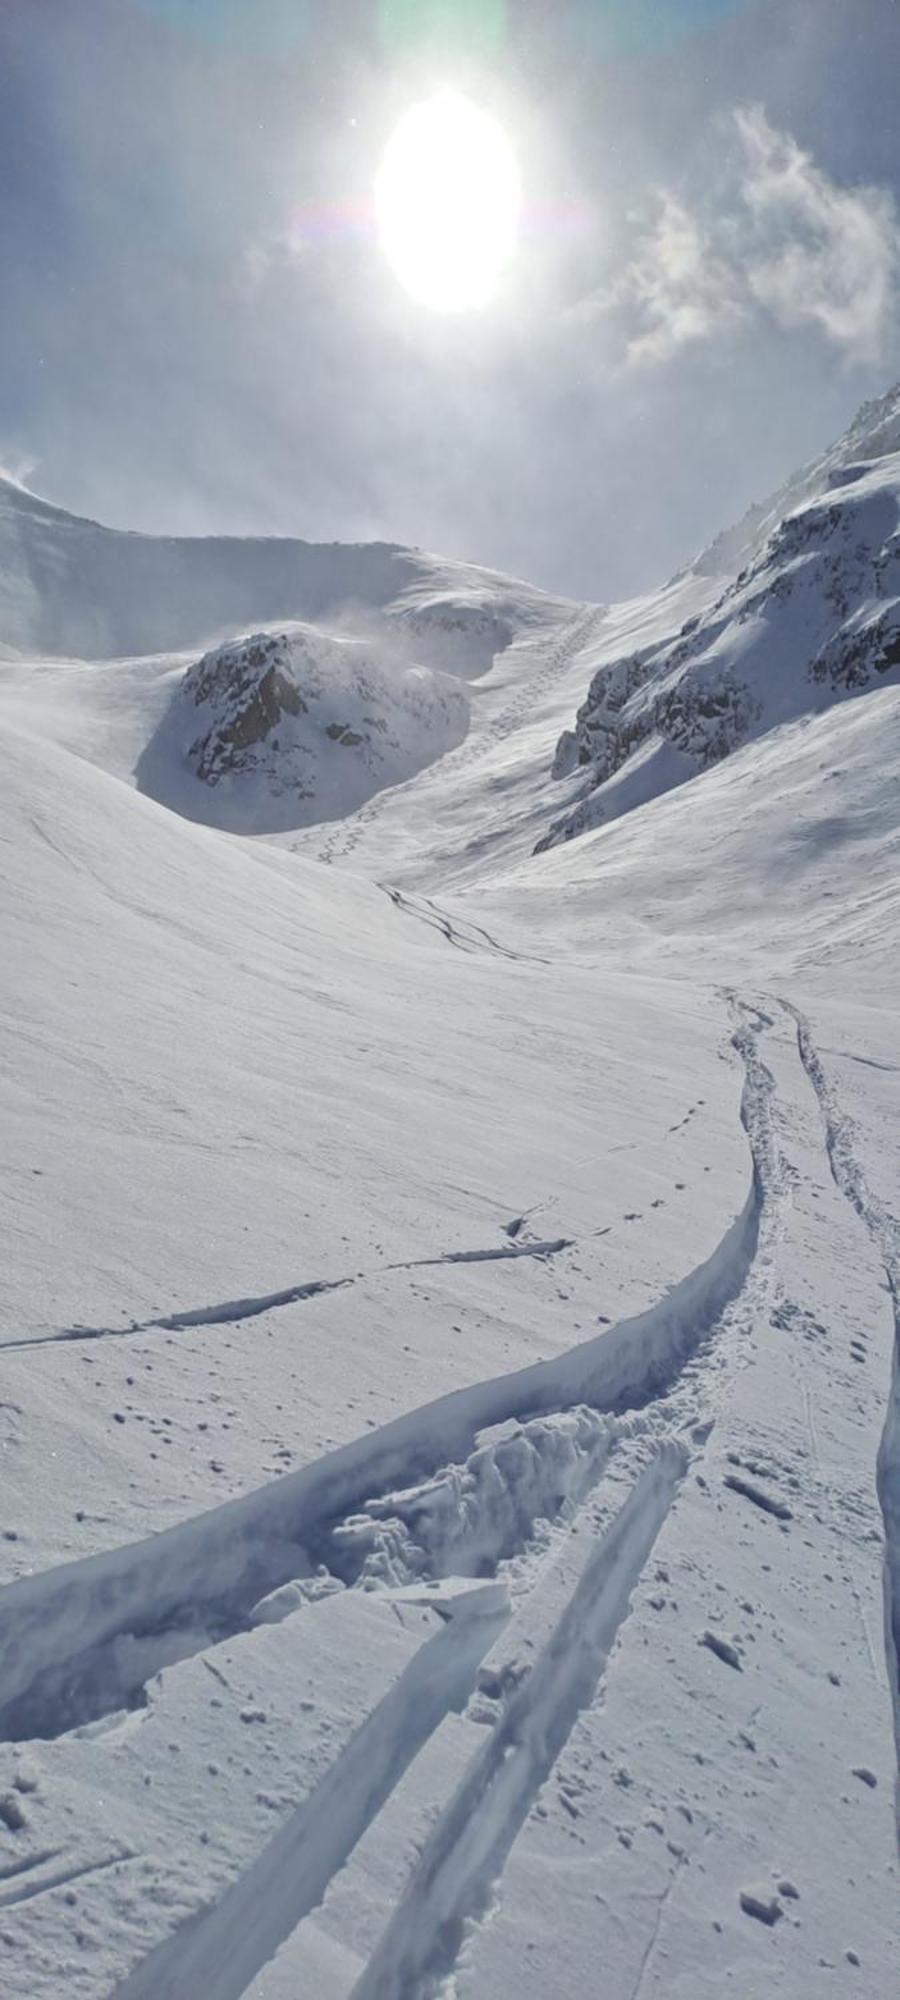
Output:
x=371 y=685
x=664 y=684
x=334 y=1189
x=815 y=618
x=874 y=433
x=72 y=588
x=79 y=591
x=793 y=843
x=450 y=1526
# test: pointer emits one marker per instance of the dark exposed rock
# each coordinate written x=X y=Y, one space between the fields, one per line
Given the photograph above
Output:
x=813 y=617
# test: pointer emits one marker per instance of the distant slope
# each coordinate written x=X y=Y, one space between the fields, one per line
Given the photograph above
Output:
x=789 y=848
x=369 y=670
x=73 y=588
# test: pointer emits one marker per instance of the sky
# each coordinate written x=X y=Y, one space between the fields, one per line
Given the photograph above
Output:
x=200 y=332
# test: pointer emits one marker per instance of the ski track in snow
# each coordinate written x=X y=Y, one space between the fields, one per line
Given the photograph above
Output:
x=362 y=1508
x=452 y=1882
x=82 y=1640
x=458 y=931
x=220 y=1952
x=38 y=1884
x=884 y=1230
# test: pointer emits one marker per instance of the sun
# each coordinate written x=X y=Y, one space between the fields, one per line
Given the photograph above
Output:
x=447 y=201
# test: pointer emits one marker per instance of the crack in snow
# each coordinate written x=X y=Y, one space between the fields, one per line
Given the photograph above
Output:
x=231 y=1311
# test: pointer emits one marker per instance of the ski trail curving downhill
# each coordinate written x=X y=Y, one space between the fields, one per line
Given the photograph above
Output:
x=82 y=1640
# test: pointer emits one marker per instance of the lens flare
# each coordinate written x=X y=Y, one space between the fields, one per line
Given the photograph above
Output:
x=448 y=29
x=636 y=27
x=252 y=27
x=447 y=201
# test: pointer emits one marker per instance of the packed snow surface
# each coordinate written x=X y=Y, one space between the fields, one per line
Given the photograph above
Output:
x=450 y=1524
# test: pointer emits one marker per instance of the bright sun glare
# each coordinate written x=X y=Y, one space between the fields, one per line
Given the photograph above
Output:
x=447 y=203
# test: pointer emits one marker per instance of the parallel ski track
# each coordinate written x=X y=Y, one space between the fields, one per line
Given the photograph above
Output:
x=883 y=1228
x=218 y=1954
x=466 y=1852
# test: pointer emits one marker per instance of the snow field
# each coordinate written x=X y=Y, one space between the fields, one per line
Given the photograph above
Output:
x=453 y=1314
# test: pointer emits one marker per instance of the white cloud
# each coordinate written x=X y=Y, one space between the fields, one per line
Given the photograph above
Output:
x=821 y=253
x=677 y=288
x=781 y=240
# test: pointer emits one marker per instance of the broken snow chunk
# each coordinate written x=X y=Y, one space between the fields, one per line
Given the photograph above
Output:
x=765 y=1501
x=788 y=1889
x=723 y=1649
x=279 y=1603
x=867 y=1777
x=760 y=1903
x=457 y=1596
x=12 y=1813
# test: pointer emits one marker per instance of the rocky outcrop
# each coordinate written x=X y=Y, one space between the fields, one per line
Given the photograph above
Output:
x=248 y=690
x=281 y=729
x=814 y=617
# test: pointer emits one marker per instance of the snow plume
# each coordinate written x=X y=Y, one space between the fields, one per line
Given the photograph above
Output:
x=18 y=467
x=823 y=253
x=678 y=287
x=786 y=241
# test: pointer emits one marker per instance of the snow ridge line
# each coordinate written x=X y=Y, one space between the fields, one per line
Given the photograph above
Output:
x=67 y=1651
x=219 y=1953
x=231 y=1311
x=883 y=1228
x=466 y=1852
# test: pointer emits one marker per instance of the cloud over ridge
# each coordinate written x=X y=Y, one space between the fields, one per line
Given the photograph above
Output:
x=780 y=238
